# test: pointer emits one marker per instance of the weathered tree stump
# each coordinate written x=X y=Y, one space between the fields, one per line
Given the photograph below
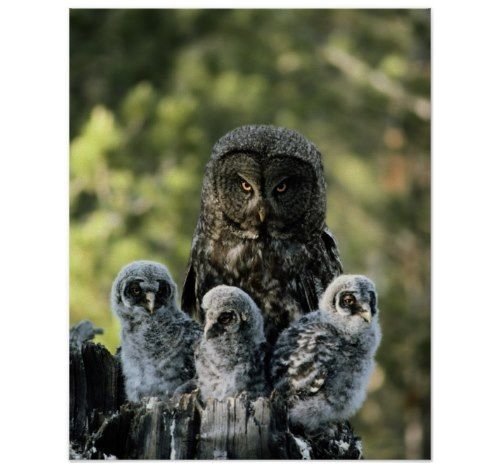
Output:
x=234 y=428
x=103 y=425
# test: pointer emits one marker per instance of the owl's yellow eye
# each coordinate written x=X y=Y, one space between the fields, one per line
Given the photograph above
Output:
x=246 y=186
x=281 y=187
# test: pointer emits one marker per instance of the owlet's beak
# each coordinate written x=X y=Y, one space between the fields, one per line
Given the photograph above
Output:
x=150 y=301
x=366 y=313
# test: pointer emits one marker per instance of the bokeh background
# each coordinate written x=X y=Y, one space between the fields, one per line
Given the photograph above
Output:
x=152 y=90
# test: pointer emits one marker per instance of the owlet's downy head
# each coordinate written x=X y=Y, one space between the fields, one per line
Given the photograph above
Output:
x=142 y=289
x=230 y=311
x=352 y=301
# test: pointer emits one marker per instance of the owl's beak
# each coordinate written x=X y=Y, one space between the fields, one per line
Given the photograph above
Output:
x=366 y=313
x=262 y=213
x=150 y=301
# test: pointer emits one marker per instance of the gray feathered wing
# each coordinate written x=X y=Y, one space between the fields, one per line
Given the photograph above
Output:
x=303 y=358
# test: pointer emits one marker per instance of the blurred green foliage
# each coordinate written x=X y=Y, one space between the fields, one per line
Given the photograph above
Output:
x=152 y=90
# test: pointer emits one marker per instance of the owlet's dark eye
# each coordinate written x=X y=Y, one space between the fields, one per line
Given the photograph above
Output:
x=135 y=289
x=246 y=187
x=226 y=318
x=163 y=289
x=281 y=187
x=348 y=300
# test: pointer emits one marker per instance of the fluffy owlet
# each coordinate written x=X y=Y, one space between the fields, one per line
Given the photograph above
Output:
x=230 y=357
x=262 y=226
x=323 y=362
x=157 y=338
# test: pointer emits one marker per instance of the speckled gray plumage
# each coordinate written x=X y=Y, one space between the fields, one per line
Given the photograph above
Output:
x=323 y=362
x=157 y=345
x=285 y=262
x=230 y=357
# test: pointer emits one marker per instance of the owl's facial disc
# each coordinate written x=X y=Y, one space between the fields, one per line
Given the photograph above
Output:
x=147 y=296
x=262 y=196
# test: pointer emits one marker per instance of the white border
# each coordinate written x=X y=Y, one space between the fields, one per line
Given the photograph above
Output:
x=465 y=230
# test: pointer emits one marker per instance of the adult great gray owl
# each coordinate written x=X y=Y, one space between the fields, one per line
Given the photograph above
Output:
x=157 y=338
x=262 y=226
x=323 y=362
x=230 y=357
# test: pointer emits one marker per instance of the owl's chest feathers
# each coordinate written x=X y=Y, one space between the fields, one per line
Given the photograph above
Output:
x=155 y=345
x=225 y=369
x=227 y=355
x=351 y=359
x=258 y=265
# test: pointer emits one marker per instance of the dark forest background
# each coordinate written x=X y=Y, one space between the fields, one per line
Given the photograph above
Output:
x=152 y=90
